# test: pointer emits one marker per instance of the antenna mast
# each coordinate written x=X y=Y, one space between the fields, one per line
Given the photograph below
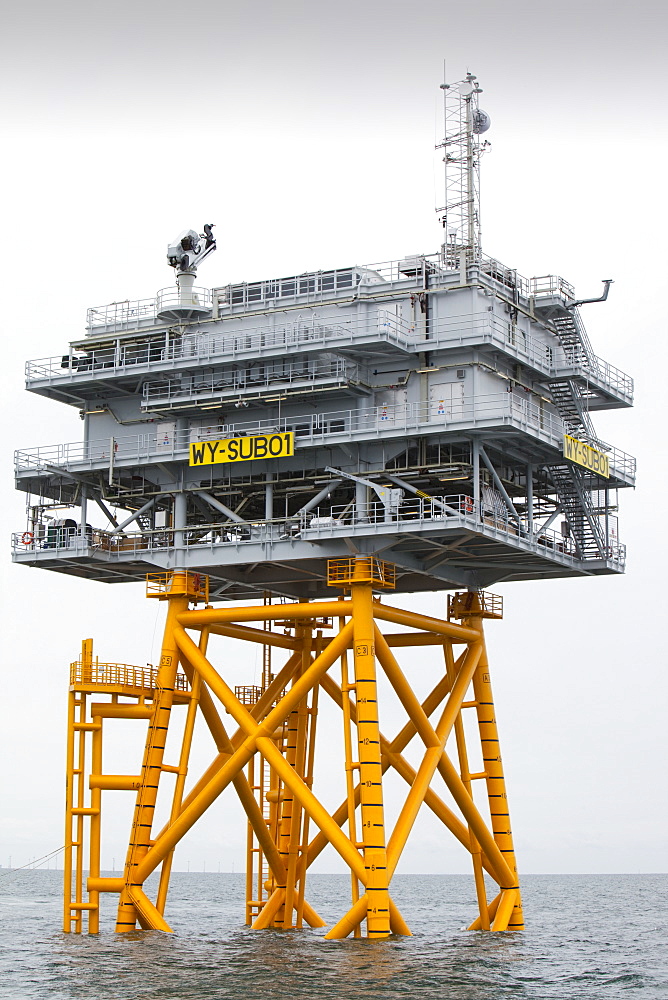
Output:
x=462 y=148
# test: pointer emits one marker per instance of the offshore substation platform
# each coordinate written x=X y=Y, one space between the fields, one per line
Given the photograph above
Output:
x=311 y=444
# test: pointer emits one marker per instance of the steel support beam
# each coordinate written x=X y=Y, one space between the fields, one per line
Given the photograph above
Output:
x=499 y=485
x=133 y=517
x=217 y=505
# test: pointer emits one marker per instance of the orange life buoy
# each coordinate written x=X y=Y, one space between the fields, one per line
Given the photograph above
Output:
x=27 y=537
x=467 y=504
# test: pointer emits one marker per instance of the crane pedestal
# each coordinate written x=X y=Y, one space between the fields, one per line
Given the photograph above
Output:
x=269 y=752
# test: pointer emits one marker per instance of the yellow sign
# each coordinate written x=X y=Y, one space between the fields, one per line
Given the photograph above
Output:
x=242 y=449
x=586 y=456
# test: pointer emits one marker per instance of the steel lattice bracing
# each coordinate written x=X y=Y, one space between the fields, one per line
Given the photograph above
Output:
x=276 y=736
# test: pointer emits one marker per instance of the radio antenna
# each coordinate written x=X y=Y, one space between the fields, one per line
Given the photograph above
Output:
x=464 y=124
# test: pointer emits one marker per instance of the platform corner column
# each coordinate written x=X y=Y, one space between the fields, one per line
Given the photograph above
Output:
x=509 y=916
x=176 y=594
x=370 y=764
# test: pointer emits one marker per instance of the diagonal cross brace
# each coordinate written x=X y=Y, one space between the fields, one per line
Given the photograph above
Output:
x=220 y=780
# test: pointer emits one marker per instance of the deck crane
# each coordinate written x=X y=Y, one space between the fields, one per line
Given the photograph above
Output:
x=190 y=248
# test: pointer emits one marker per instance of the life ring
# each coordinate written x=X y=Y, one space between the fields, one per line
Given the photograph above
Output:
x=27 y=538
x=467 y=504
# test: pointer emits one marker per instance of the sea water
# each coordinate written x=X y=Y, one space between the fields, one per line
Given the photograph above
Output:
x=588 y=937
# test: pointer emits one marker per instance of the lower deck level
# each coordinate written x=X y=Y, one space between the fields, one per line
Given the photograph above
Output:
x=434 y=548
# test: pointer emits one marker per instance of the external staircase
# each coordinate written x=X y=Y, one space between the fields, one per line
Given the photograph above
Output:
x=573 y=486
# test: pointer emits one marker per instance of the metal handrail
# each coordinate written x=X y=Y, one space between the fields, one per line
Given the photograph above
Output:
x=175 y=296
x=120 y=313
x=551 y=284
x=208 y=345
x=195 y=386
x=120 y=674
x=606 y=373
x=507 y=277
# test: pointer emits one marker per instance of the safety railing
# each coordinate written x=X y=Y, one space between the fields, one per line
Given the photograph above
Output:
x=494 y=408
x=337 y=518
x=490 y=517
x=272 y=375
x=162 y=586
x=206 y=346
x=121 y=315
x=507 y=277
x=430 y=269
x=127 y=315
x=603 y=373
x=248 y=694
x=419 y=512
x=168 y=298
x=103 y=361
x=549 y=285
x=247 y=295
x=135 y=314
x=475 y=603
x=323 y=285
x=485 y=327
x=72 y=540
x=375 y=420
x=361 y=569
x=102 y=675
x=427 y=510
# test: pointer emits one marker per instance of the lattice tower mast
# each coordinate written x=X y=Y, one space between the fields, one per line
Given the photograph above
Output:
x=462 y=145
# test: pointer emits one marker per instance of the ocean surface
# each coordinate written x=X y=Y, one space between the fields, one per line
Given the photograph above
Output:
x=588 y=937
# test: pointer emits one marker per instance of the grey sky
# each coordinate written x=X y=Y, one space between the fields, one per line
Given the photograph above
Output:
x=306 y=132
x=276 y=62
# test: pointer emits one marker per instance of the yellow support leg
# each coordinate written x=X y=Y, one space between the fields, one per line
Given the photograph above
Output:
x=68 y=856
x=303 y=910
x=472 y=608
x=370 y=764
x=462 y=754
x=496 y=786
x=351 y=766
x=299 y=737
x=95 y=829
x=179 y=786
x=289 y=810
x=140 y=838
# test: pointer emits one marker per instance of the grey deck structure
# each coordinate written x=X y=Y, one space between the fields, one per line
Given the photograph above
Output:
x=428 y=399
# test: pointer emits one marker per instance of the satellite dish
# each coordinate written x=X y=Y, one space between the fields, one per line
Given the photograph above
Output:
x=481 y=121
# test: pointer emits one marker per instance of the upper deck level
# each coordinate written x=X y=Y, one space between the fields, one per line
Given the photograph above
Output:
x=361 y=315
